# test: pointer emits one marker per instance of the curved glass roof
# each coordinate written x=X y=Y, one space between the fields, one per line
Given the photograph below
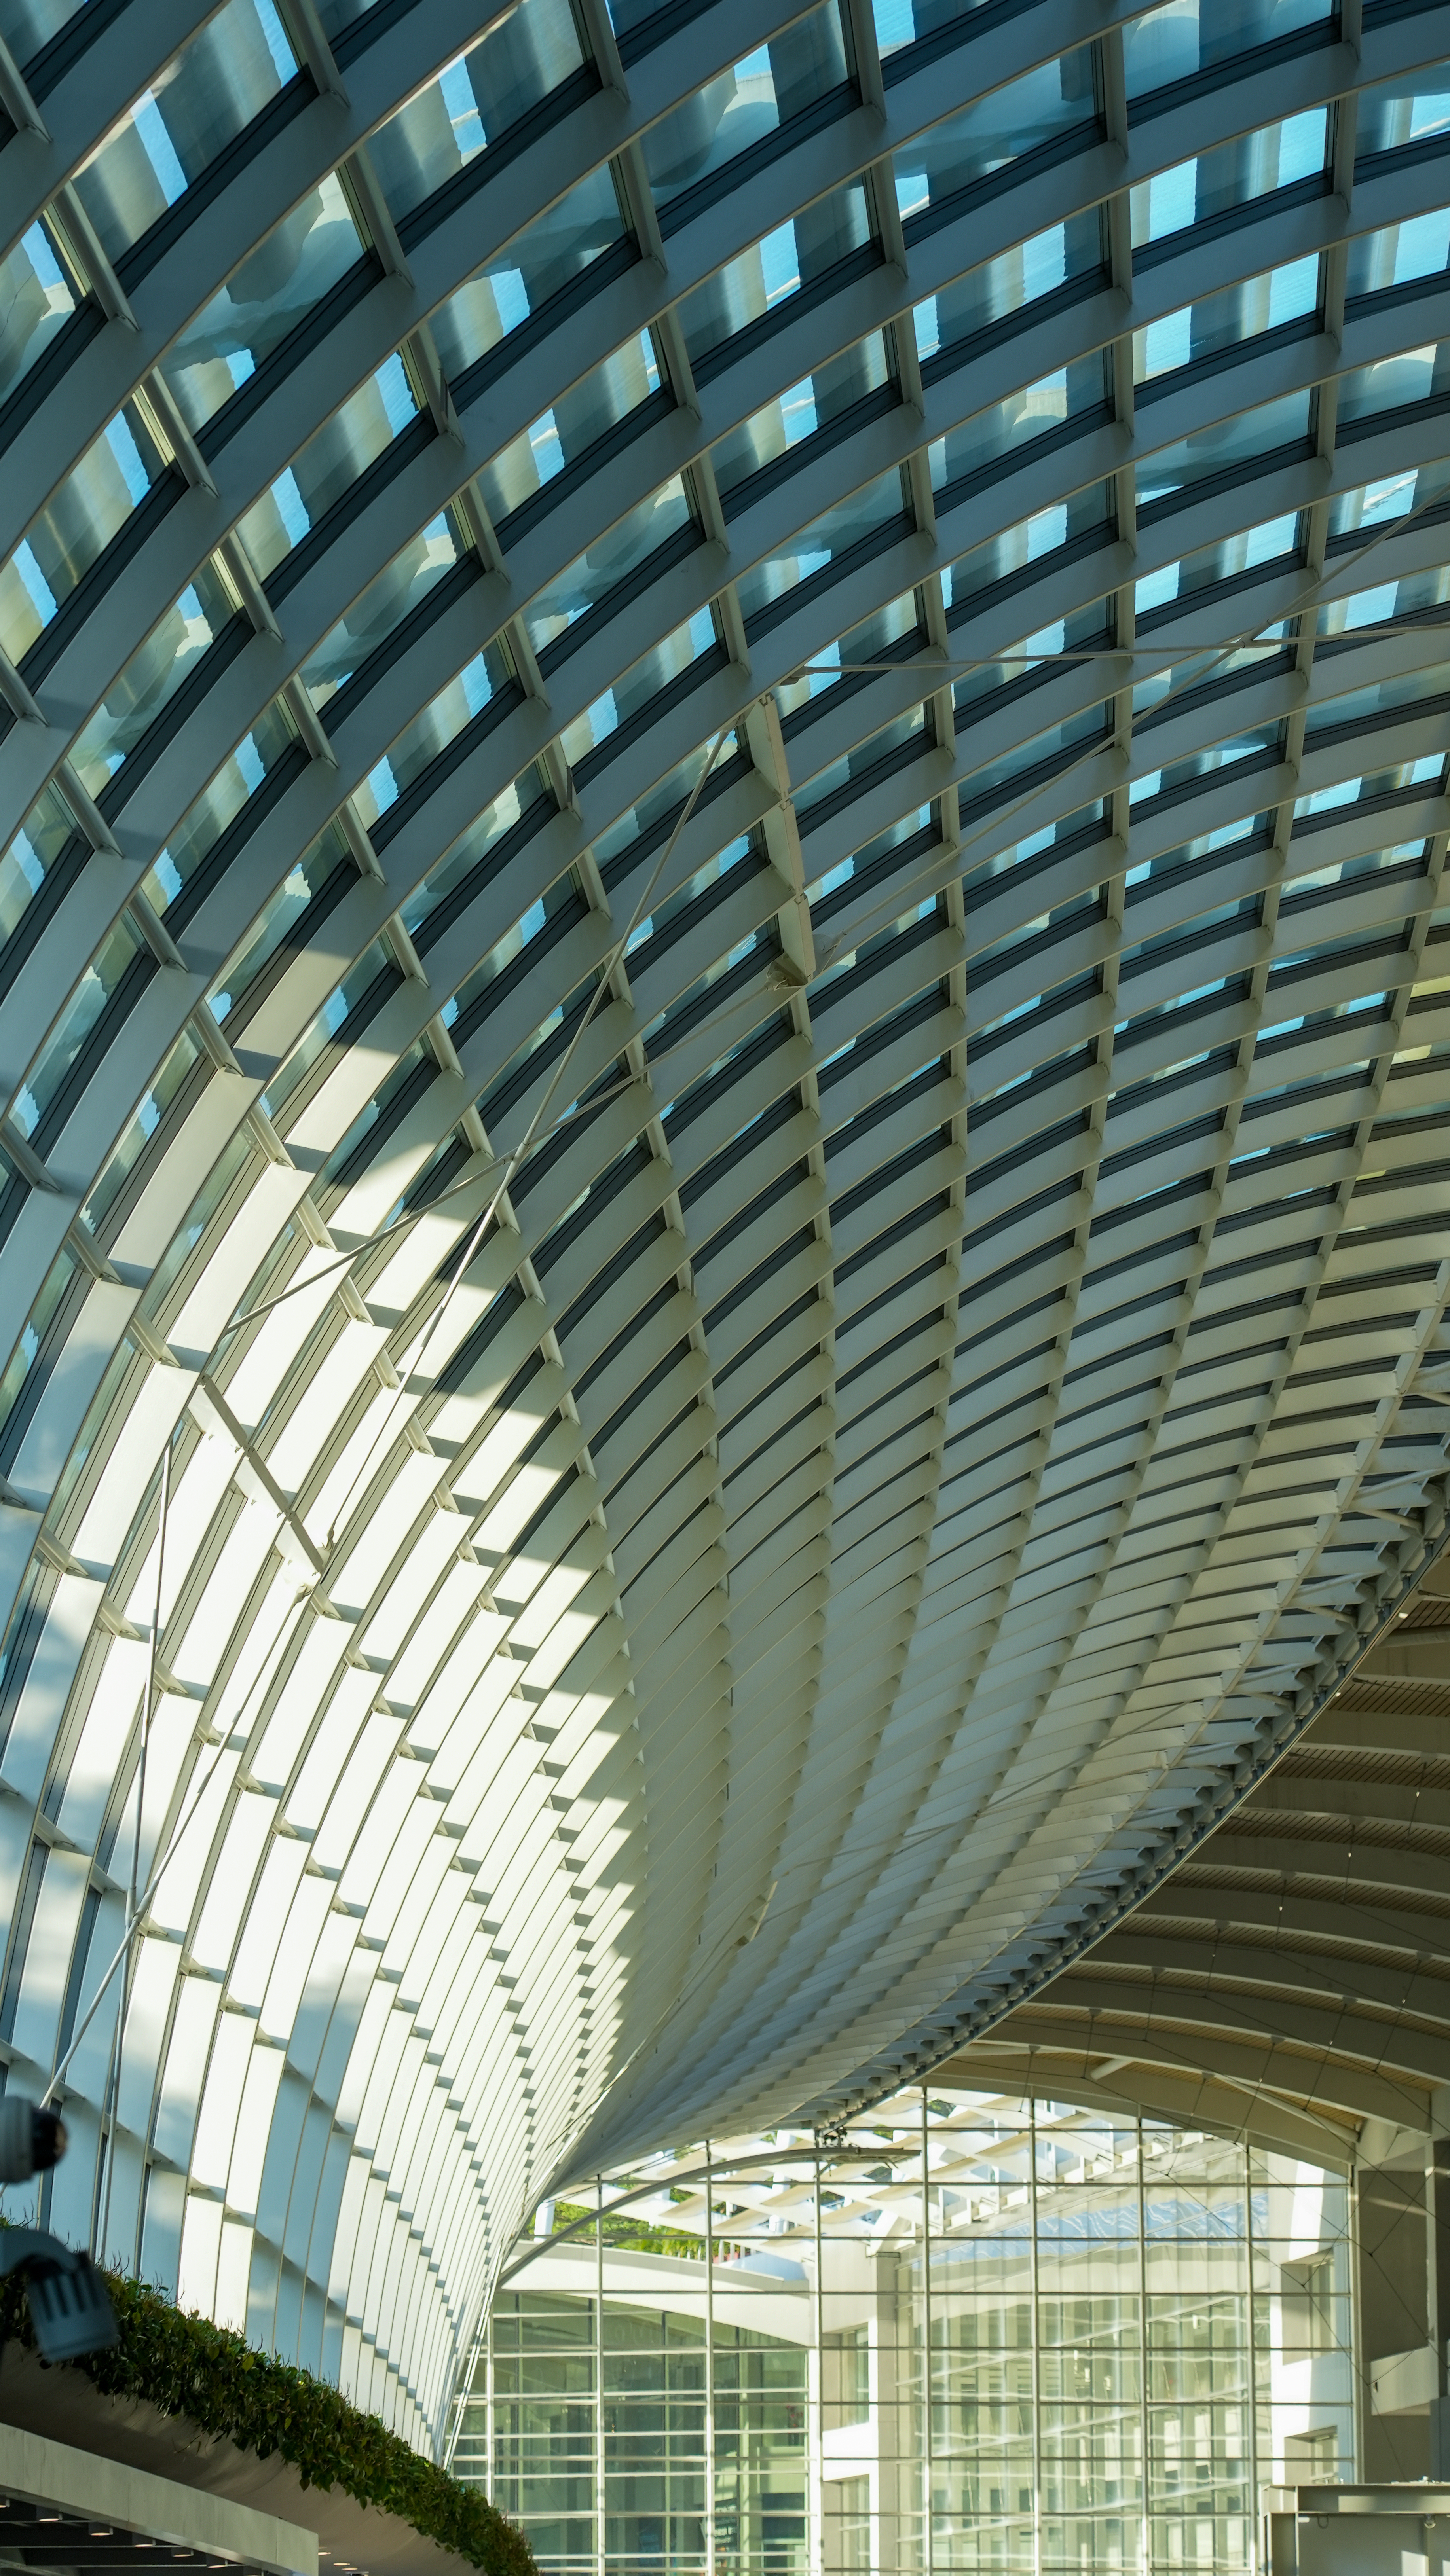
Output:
x=721 y=1233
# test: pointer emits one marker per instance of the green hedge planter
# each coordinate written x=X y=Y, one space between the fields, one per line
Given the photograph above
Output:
x=185 y=2365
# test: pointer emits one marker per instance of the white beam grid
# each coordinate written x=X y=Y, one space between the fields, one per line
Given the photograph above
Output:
x=772 y=1400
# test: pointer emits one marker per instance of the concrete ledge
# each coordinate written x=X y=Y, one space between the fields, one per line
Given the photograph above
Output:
x=52 y=2473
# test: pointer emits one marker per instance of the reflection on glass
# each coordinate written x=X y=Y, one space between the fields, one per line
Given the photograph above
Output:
x=466 y=870
x=283 y=280
x=606 y=395
x=588 y=581
x=137 y=1134
x=37 y=298
x=1274 y=541
x=1399 y=254
x=1184 y=37
x=1222 y=321
x=1255 y=742
x=207 y=95
x=1403 y=113
x=1405 y=689
x=28 y=25
x=153 y=676
x=634 y=834
x=894 y=626
x=900 y=23
x=1024 y=116
x=1420 y=595
x=385 y=605
x=77 y=524
x=182 y=869
x=740 y=107
x=342 y=451
x=420 y=743
x=451 y=123
x=1249 y=440
x=768 y=585
x=46 y=832
x=642 y=682
x=1373 y=505
x=801 y=410
x=996 y=438
x=766 y=277
x=276 y=930
x=1017 y=279
x=46 y=1093
x=1050 y=752
x=1366 y=394
x=902 y=739
x=367 y=980
x=518 y=279
x=1233 y=174
x=1045 y=533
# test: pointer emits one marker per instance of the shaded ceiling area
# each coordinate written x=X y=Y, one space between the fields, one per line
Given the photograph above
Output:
x=1290 y=1981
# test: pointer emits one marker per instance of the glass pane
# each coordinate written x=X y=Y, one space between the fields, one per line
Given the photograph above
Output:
x=342 y=451
x=801 y=410
x=740 y=107
x=875 y=506
x=521 y=277
x=775 y=269
x=464 y=872
x=1055 y=99
x=607 y=394
x=1274 y=541
x=76 y=526
x=1221 y=321
x=276 y=288
x=37 y=298
x=27 y=25
x=1374 y=504
x=1414 y=376
x=525 y=54
x=1172 y=43
x=592 y=576
x=1192 y=192
x=1403 y=112
x=207 y=95
x=1044 y=533
x=907 y=22
x=1399 y=254
x=644 y=681
x=997 y=436
x=1009 y=284
x=153 y=676
x=871 y=641
x=137 y=1135
x=384 y=606
x=1228 y=446
x=65 y=1045
x=440 y=722
x=24 y=866
x=279 y=918
x=217 y=808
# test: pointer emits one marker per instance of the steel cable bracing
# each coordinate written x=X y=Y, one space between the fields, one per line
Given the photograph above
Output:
x=777 y=1376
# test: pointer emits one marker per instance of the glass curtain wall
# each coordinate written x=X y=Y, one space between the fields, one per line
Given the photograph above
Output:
x=965 y=2334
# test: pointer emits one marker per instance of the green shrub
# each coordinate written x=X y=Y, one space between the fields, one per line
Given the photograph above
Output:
x=185 y=2365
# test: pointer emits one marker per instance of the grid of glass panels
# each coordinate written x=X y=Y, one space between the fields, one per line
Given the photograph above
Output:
x=1026 y=2339
x=721 y=1033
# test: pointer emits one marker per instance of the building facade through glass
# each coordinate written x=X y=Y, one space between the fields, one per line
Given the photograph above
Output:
x=996 y=2337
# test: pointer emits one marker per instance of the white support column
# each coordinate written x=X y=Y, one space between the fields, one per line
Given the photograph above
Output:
x=709 y=2364
x=599 y=2375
